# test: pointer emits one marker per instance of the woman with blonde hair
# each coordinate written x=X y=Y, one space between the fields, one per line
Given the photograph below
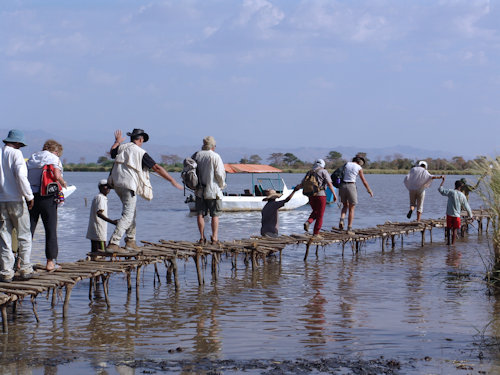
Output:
x=46 y=205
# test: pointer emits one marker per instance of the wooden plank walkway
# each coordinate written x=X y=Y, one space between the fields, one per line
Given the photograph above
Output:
x=100 y=266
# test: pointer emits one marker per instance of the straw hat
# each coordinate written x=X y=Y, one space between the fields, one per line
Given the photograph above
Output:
x=271 y=194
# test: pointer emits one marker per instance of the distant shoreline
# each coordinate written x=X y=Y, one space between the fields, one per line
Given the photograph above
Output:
x=93 y=168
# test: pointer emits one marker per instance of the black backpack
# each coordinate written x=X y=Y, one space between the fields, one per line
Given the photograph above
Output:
x=338 y=176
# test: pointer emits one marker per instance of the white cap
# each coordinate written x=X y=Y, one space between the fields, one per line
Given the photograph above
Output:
x=422 y=162
x=102 y=182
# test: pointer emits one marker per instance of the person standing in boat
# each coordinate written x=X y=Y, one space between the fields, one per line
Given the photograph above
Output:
x=46 y=204
x=212 y=179
x=318 y=201
x=130 y=177
x=16 y=198
x=348 y=191
x=416 y=181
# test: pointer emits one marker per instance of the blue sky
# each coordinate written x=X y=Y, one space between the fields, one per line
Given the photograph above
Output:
x=256 y=73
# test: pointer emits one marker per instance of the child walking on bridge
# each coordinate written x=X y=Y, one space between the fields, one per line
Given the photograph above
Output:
x=456 y=202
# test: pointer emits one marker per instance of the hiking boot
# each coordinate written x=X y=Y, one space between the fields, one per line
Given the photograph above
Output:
x=341 y=224
x=26 y=275
x=408 y=215
x=115 y=249
x=131 y=245
x=5 y=279
x=306 y=226
x=350 y=232
x=317 y=237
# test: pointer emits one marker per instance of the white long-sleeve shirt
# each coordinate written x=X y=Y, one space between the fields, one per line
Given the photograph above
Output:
x=14 y=184
x=418 y=179
x=211 y=174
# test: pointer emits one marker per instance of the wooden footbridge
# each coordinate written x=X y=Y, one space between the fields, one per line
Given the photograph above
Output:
x=100 y=266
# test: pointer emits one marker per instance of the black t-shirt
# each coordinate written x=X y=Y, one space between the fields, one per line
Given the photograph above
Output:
x=147 y=161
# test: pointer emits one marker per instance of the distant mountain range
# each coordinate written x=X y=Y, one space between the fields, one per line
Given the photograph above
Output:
x=76 y=151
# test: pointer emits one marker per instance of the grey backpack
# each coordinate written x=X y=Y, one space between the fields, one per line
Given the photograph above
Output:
x=189 y=175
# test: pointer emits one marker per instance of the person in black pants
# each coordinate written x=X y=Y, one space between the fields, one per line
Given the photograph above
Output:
x=46 y=205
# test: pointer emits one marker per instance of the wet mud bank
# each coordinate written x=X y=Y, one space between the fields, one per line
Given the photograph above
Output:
x=298 y=366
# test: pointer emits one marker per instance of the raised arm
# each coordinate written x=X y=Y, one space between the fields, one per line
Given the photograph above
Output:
x=118 y=140
x=363 y=179
x=287 y=199
x=163 y=173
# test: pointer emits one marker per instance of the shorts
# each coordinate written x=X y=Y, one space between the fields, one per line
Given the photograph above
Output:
x=452 y=222
x=204 y=206
x=417 y=199
x=348 y=193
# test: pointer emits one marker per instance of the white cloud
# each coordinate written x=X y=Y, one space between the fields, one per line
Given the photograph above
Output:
x=29 y=68
x=449 y=84
x=102 y=78
x=261 y=14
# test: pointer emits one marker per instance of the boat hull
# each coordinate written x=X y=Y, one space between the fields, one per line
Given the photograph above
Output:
x=251 y=203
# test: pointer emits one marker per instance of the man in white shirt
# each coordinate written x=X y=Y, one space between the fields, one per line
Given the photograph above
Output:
x=212 y=179
x=416 y=181
x=14 y=190
x=130 y=177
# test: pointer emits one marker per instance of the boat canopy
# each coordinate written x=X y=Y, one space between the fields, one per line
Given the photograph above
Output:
x=250 y=168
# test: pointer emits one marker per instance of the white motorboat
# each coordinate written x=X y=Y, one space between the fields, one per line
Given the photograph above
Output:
x=253 y=199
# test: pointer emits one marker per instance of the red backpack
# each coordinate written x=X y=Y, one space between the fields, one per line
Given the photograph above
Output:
x=49 y=184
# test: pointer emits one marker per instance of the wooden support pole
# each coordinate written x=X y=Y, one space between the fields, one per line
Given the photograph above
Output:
x=53 y=302
x=393 y=241
x=138 y=277
x=174 y=270
x=487 y=223
x=198 y=269
x=254 y=260
x=157 y=274
x=383 y=243
x=430 y=233
x=214 y=267
x=307 y=249
x=4 y=319
x=105 y=283
x=129 y=281
x=33 y=303
x=90 y=288
x=14 y=307
x=169 y=270
x=69 y=288
x=317 y=248
x=423 y=237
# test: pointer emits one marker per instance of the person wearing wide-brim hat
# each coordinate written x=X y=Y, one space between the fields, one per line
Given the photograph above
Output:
x=270 y=220
x=130 y=177
x=14 y=190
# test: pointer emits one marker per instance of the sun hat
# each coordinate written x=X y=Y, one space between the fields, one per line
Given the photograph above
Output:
x=208 y=143
x=102 y=182
x=319 y=163
x=15 y=136
x=271 y=194
x=137 y=132
x=422 y=163
x=358 y=159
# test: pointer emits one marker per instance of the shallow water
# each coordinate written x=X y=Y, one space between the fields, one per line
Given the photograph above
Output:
x=426 y=307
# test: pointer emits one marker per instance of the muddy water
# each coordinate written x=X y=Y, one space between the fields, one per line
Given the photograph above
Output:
x=425 y=308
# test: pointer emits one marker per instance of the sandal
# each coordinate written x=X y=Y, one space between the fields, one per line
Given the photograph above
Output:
x=202 y=241
x=214 y=242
